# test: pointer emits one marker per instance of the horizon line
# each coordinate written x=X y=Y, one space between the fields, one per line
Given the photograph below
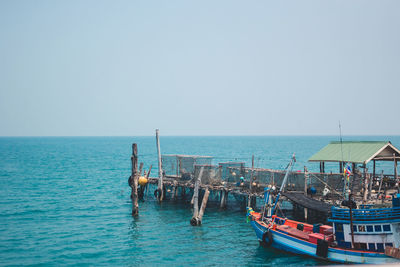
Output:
x=167 y=135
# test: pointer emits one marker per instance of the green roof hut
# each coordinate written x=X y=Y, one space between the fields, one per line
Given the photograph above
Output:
x=357 y=152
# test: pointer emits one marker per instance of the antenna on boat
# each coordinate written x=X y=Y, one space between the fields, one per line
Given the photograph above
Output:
x=345 y=184
x=345 y=189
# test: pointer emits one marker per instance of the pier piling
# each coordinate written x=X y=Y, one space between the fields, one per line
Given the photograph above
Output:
x=134 y=181
x=224 y=196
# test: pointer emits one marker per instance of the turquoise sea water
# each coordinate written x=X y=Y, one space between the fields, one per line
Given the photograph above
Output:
x=65 y=201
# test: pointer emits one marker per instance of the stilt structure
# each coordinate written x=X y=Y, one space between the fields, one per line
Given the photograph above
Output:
x=185 y=177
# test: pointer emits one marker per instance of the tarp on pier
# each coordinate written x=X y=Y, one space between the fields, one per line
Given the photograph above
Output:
x=307 y=202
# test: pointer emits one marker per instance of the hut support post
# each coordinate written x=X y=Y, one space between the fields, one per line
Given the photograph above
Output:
x=134 y=181
x=340 y=167
x=373 y=171
x=160 y=195
x=365 y=184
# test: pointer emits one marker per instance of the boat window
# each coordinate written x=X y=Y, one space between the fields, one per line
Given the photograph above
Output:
x=378 y=228
x=361 y=228
x=386 y=227
x=371 y=246
x=370 y=228
x=362 y=246
x=354 y=228
x=379 y=247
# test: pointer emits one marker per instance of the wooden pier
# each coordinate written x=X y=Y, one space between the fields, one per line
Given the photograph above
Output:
x=193 y=178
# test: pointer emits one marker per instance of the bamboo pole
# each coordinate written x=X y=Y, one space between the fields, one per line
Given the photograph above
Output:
x=160 y=195
x=134 y=184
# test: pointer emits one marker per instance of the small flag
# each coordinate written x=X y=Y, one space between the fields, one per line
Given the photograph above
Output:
x=347 y=170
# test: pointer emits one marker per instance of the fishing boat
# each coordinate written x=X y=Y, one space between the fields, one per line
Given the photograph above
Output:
x=366 y=235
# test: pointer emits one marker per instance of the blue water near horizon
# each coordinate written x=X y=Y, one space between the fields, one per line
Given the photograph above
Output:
x=65 y=201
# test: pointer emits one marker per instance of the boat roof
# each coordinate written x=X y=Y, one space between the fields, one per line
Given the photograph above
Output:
x=357 y=152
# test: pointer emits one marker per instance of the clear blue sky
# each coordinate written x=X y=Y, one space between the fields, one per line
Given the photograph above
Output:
x=199 y=67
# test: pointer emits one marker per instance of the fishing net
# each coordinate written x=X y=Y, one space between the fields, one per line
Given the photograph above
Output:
x=183 y=165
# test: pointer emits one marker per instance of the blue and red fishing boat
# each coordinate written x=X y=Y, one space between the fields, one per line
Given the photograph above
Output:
x=365 y=235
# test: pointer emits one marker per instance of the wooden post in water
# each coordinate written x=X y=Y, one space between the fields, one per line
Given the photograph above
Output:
x=174 y=190
x=195 y=199
x=224 y=196
x=203 y=206
x=183 y=193
x=305 y=191
x=134 y=183
x=160 y=195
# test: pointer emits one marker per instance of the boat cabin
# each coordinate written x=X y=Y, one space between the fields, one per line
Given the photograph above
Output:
x=372 y=229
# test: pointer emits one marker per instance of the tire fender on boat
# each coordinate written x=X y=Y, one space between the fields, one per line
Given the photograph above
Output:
x=267 y=239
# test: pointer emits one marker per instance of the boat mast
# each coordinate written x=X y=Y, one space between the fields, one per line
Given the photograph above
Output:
x=289 y=168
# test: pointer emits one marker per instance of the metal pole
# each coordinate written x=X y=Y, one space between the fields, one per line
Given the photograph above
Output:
x=283 y=183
